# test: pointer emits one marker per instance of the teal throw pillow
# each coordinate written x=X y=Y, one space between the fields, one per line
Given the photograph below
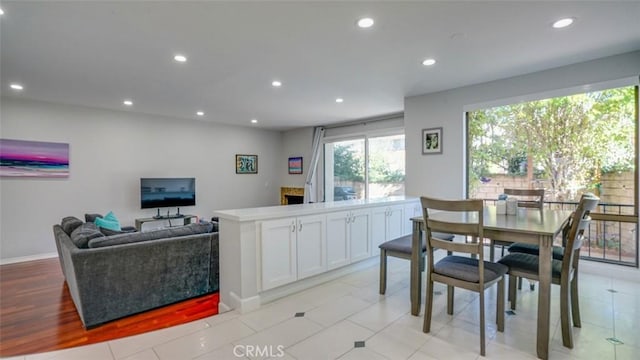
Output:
x=109 y=221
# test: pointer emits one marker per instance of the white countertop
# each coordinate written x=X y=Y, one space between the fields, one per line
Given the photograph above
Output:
x=273 y=212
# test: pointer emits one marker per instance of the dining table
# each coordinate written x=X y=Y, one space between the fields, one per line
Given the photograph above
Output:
x=532 y=226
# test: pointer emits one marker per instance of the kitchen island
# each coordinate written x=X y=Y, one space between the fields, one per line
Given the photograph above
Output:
x=270 y=252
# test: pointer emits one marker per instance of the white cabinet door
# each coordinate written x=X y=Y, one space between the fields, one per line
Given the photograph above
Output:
x=338 y=239
x=359 y=238
x=386 y=223
x=410 y=211
x=311 y=245
x=395 y=222
x=378 y=228
x=278 y=252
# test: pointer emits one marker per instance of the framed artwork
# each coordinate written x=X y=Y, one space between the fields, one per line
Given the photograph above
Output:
x=295 y=165
x=432 y=141
x=246 y=164
x=22 y=158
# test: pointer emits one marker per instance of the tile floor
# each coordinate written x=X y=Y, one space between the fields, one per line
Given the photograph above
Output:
x=347 y=319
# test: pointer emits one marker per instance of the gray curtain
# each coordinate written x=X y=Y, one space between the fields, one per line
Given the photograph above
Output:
x=310 y=192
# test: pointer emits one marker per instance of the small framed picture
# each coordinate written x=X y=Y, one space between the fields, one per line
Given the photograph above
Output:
x=246 y=164
x=432 y=141
x=295 y=165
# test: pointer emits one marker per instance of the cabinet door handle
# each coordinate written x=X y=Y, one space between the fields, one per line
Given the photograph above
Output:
x=348 y=218
x=293 y=226
x=299 y=226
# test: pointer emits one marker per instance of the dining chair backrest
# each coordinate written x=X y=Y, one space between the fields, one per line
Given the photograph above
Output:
x=463 y=217
x=580 y=220
x=534 y=197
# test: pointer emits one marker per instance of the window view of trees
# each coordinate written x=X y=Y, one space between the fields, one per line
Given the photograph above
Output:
x=346 y=168
x=566 y=145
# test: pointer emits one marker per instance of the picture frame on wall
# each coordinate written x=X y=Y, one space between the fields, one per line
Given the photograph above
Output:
x=432 y=141
x=295 y=165
x=26 y=158
x=246 y=164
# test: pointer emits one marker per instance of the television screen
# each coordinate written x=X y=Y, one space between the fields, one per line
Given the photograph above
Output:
x=167 y=192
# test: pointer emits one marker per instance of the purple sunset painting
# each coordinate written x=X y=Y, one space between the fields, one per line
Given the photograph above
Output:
x=33 y=158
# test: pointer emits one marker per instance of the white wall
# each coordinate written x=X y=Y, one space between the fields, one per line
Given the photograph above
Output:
x=109 y=152
x=296 y=143
x=443 y=175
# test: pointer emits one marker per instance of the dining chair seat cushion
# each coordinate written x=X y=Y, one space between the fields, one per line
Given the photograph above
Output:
x=466 y=269
x=558 y=251
x=529 y=263
x=403 y=244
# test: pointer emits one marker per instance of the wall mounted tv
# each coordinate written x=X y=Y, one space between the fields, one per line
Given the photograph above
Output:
x=167 y=192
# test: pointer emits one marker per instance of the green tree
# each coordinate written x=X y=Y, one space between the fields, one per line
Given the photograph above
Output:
x=346 y=165
x=567 y=139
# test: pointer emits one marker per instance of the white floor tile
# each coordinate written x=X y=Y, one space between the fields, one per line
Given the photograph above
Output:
x=278 y=337
x=440 y=349
x=398 y=340
x=226 y=352
x=124 y=347
x=143 y=355
x=330 y=343
x=362 y=354
x=379 y=315
x=99 y=351
x=336 y=310
x=203 y=341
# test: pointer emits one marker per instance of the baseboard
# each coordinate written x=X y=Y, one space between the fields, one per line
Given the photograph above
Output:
x=27 y=258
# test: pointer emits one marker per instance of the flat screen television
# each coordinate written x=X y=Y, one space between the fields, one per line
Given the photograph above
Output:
x=167 y=192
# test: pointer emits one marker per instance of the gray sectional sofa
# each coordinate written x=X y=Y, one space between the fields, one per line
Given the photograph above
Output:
x=113 y=276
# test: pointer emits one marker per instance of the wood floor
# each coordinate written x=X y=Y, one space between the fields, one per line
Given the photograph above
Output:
x=37 y=313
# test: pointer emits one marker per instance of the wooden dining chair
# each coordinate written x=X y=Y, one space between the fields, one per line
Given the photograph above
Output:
x=527 y=198
x=401 y=248
x=460 y=217
x=564 y=272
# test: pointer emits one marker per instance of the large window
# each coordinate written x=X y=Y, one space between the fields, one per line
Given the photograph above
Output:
x=568 y=146
x=364 y=167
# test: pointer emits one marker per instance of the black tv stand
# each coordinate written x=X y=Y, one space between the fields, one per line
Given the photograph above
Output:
x=174 y=216
x=186 y=219
x=177 y=215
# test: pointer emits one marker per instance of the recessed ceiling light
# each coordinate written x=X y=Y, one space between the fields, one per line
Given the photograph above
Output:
x=1 y=11
x=180 y=58
x=128 y=102
x=428 y=62
x=200 y=113
x=339 y=100
x=276 y=83
x=254 y=121
x=365 y=22
x=16 y=87
x=562 y=23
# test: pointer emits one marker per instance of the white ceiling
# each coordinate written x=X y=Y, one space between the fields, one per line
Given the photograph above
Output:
x=97 y=54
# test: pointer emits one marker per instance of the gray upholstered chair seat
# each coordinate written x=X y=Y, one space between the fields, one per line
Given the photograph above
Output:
x=558 y=251
x=401 y=248
x=465 y=268
x=403 y=244
x=529 y=263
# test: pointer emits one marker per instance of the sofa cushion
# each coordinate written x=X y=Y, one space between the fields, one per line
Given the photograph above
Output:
x=85 y=233
x=109 y=232
x=70 y=223
x=109 y=221
x=127 y=238
x=91 y=217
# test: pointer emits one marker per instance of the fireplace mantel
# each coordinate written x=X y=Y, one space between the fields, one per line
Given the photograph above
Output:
x=289 y=191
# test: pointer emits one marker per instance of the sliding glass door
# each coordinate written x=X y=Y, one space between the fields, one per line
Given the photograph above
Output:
x=364 y=167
